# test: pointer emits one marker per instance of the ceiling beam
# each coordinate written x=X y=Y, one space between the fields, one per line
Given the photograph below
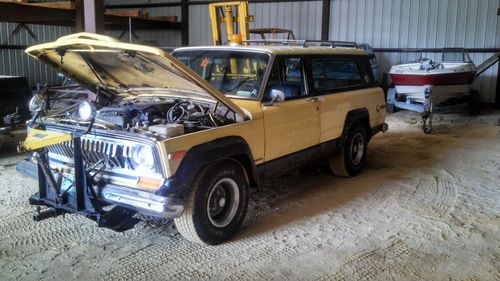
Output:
x=13 y=47
x=190 y=3
x=29 y=14
x=13 y=12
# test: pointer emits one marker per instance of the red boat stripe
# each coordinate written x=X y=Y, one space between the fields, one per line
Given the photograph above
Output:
x=434 y=79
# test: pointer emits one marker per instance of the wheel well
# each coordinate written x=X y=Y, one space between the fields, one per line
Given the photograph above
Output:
x=359 y=115
x=365 y=121
x=247 y=164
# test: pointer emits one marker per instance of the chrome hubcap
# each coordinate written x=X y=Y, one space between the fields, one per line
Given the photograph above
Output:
x=357 y=149
x=223 y=202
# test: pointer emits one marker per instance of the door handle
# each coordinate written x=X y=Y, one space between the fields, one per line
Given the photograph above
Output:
x=312 y=99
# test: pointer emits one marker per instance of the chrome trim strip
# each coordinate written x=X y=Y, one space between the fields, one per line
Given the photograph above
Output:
x=143 y=202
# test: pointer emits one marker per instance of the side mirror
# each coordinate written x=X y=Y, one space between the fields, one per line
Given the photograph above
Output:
x=276 y=96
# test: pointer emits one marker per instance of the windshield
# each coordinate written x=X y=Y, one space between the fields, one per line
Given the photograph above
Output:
x=411 y=56
x=234 y=73
x=455 y=56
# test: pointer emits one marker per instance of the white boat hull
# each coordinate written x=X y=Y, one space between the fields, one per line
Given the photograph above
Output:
x=439 y=94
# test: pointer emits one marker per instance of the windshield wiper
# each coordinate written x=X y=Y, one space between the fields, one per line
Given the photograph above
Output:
x=243 y=81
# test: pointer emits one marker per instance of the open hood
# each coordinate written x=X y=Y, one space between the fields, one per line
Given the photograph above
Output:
x=100 y=61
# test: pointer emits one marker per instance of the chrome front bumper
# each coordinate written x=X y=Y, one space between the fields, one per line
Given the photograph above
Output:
x=143 y=202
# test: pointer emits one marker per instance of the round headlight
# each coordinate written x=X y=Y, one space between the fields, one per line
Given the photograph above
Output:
x=86 y=110
x=143 y=158
x=36 y=103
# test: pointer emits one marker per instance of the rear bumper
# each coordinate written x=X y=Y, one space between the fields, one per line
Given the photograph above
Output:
x=143 y=202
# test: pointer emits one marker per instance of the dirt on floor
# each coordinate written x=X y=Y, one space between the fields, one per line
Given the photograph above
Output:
x=426 y=207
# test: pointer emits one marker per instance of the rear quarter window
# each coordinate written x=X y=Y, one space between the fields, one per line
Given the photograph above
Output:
x=330 y=74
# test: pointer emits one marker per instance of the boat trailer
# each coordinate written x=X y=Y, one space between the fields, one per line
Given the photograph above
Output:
x=427 y=109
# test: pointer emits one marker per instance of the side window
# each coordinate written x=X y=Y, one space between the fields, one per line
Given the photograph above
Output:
x=287 y=75
x=331 y=74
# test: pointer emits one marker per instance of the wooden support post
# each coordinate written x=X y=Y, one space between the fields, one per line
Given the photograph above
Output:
x=184 y=22
x=497 y=98
x=79 y=23
x=325 y=21
x=89 y=16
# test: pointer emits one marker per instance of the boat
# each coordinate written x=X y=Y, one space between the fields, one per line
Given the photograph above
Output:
x=451 y=78
x=425 y=86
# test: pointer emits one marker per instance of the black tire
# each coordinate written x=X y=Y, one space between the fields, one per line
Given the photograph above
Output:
x=390 y=100
x=391 y=108
x=351 y=159
x=213 y=225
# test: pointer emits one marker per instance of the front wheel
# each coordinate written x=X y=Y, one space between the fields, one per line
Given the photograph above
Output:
x=216 y=205
x=352 y=156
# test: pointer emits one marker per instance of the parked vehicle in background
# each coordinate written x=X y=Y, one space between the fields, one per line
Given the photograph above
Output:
x=185 y=136
x=15 y=94
x=373 y=61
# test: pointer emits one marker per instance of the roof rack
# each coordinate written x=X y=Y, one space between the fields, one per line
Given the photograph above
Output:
x=334 y=44
x=283 y=42
x=304 y=43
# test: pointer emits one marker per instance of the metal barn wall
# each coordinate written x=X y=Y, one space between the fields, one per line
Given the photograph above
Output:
x=17 y=63
x=382 y=23
x=421 y=24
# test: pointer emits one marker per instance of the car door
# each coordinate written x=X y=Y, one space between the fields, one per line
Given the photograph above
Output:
x=340 y=86
x=293 y=124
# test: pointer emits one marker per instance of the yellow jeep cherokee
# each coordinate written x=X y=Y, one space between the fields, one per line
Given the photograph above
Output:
x=185 y=136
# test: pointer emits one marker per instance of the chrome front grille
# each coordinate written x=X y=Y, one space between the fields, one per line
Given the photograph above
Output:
x=115 y=155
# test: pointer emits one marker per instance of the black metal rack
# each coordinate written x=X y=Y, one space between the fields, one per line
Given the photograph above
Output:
x=80 y=199
x=304 y=43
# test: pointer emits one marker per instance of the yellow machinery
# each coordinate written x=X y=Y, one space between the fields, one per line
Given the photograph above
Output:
x=222 y=13
x=38 y=139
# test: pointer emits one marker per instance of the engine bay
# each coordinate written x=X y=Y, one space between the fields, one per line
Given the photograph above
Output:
x=155 y=115
x=141 y=113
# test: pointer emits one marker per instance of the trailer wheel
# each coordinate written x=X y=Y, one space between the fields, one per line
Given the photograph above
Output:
x=391 y=108
x=352 y=156
x=391 y=98
x=216 y=205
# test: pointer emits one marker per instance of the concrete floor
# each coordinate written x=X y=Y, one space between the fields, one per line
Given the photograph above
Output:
x=426 y=207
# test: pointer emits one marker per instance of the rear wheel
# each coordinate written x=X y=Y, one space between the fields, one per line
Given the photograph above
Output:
x=352 y=156
x=217 y=204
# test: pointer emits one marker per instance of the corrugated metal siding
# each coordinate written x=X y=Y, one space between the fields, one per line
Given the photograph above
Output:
x=304 y=18
x=421 y=24
x=17 y=63
x=382 y=23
